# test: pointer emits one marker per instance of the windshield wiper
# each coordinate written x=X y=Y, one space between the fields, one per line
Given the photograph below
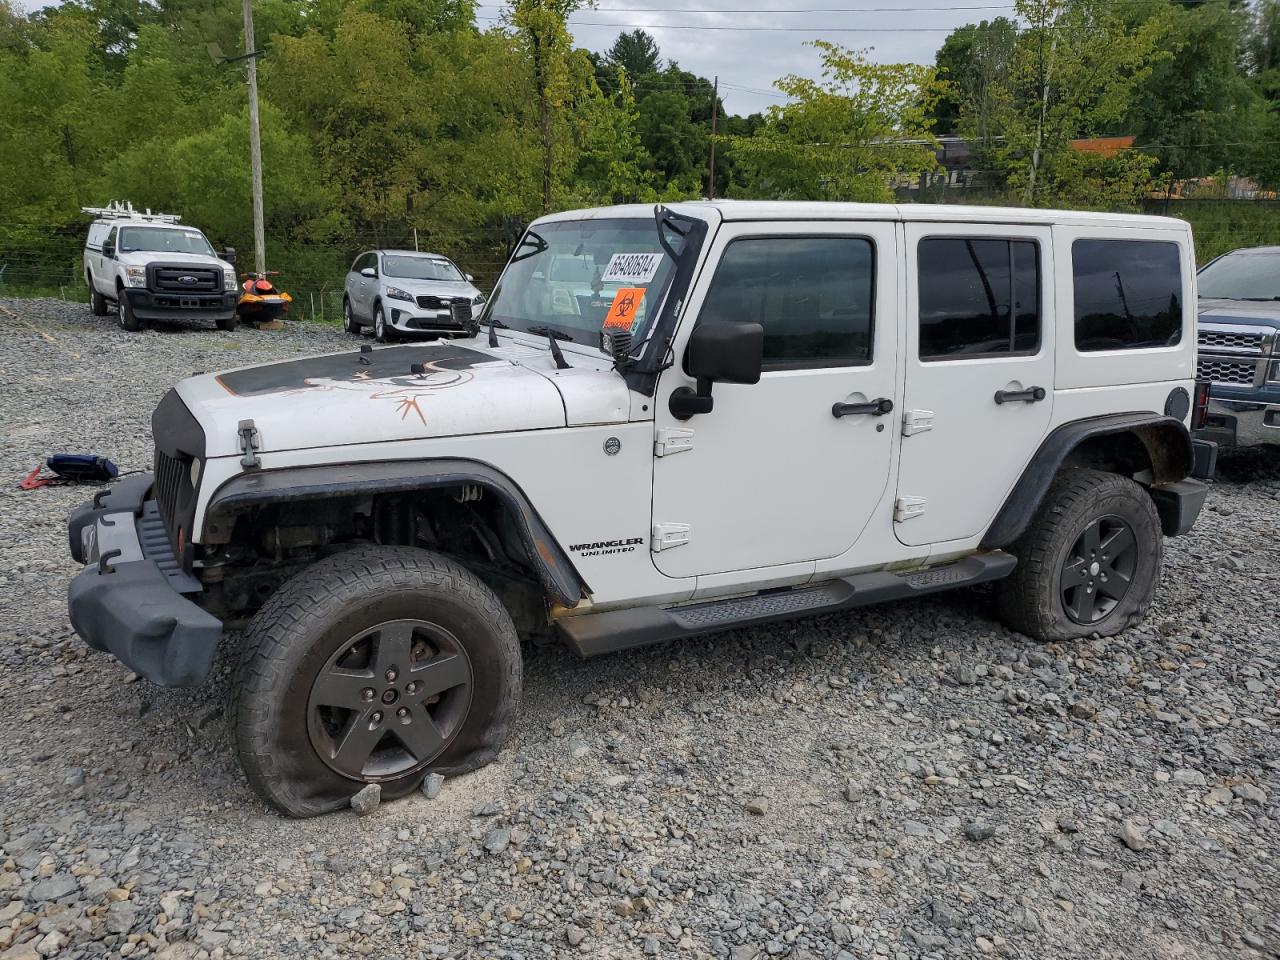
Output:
x=553 y=335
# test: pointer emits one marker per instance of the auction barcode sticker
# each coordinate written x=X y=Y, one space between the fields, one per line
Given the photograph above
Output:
x=632 y=268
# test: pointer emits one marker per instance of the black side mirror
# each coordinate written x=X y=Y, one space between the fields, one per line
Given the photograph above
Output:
x=108 y=248
x=229 y=255
x=718 y=351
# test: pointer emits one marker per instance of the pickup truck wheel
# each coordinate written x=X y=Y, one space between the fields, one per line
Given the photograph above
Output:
x=97 y=302
x=373 y=666
x=124 y=314
x=381 y=332
x=349 y=324
x=228 y=323
x=1089 y=561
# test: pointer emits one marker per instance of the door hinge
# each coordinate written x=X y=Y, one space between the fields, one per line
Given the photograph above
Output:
x=672 y=440
x=916 y=421
x=907 y=507
x=668 y=535
x=250 y=444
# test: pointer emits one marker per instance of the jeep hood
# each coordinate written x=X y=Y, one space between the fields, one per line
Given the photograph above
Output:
x=373 y=396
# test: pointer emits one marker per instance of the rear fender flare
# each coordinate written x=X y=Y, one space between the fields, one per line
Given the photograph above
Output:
x=247 y=490
x=1167 y=443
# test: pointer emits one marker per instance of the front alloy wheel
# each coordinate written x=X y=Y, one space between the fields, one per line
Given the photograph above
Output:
x=389 y=701
x=380 y=332
x=349 y=324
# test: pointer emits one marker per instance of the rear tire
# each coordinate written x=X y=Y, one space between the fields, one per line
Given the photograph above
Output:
x=348 y=621
x=124 y=313
x=1089 y=561
x=97 y=302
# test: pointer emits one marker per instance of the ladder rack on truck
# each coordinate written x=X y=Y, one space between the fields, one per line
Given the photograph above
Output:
x=116 y=210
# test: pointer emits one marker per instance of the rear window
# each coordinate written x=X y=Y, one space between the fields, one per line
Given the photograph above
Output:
x=1128 y=294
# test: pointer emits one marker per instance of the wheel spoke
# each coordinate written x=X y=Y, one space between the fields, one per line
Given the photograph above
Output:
x=440 y=674
x=1090 y=541
x=342 y=688
x=419 y=733
x=1074 y=574
x=391 y=647
x=1114 y=586
x=1074 y=599
x=353 y=747
x=1118 y=542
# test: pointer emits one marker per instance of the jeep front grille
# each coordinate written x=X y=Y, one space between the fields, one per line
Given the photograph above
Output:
x=1241 y=373
x=171 y=474
x=175 y=278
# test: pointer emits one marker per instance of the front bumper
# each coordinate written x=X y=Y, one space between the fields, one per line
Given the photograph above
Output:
x=177 y=306
x=130 y=600
x=1241 y=423
x=409 y=318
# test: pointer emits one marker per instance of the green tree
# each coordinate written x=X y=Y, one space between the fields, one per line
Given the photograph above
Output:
x=1073 y=74
x=846 y=136
x=974 y=63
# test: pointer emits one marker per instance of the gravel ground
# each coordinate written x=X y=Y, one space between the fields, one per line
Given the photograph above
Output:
x=907 y=781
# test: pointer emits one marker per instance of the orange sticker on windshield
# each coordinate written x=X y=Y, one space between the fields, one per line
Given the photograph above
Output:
x=625 y=306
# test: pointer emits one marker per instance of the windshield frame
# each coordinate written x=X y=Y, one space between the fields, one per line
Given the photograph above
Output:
x=1240 y=257
x=427 y=257
x=676 y=264
x=156 y=229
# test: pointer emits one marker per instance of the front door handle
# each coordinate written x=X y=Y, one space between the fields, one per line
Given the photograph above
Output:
x=873 y=408
x=1029 y=395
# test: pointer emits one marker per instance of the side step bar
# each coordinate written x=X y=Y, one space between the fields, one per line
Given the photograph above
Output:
x=613 y=630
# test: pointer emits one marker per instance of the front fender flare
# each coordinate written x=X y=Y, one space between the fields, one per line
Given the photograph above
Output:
x=1166 y=440
x=325 y=481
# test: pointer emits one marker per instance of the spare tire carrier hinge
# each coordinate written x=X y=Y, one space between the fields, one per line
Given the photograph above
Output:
x=250 y=442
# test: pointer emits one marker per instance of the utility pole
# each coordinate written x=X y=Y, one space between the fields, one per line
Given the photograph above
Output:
x=255 y=143
x=715 y=108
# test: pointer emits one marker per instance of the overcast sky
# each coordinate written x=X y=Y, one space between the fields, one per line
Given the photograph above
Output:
x=748 y=61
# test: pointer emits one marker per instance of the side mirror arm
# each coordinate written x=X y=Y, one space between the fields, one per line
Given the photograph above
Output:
x=686 y=402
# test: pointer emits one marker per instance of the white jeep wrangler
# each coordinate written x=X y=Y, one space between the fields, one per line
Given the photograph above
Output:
x=732 y=413
x=148 y=266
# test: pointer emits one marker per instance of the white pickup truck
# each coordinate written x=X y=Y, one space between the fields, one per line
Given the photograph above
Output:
x=148 y=266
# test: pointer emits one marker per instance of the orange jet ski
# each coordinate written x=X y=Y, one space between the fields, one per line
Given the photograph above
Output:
x=260 y=301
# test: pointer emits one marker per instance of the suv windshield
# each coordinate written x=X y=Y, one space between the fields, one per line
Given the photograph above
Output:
x=572 y=274
x=420 y=268
x=1244 y=275
x=163 y=240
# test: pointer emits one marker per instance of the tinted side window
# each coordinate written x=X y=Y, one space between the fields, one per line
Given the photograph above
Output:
x=814 y=296
x=1128 y=294
x=978 y=296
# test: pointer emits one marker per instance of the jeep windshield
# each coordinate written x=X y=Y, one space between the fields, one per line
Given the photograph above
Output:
x=163 y=240
x=420 y=268
x=570 y=275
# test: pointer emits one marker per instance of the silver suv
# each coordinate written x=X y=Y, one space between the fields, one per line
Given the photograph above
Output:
x=404 y=292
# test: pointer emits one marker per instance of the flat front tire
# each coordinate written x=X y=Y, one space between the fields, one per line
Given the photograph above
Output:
x=1089 y=561
x=373 y=666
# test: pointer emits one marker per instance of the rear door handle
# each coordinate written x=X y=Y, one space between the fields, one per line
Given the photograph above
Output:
x=1029 y=395
x=872 y=408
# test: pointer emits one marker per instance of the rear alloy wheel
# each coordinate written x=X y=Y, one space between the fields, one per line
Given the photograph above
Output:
x=1088 y=562
x=373 y=666
x=381 y=332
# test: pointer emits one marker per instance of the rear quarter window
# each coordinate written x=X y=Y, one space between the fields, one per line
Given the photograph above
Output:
x=1128 y=294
